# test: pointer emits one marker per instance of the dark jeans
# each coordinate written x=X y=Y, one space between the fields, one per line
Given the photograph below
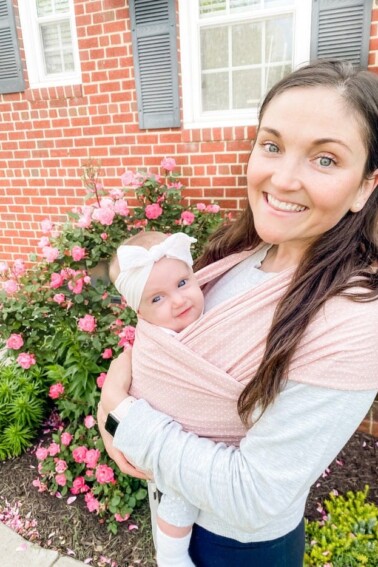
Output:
x=211 y=550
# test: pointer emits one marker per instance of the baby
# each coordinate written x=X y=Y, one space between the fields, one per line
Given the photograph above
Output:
x=153 y=272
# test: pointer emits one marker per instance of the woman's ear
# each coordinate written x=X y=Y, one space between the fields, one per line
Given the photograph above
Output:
x=367 y=187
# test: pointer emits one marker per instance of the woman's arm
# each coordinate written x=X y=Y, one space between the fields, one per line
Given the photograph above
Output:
x=278 y=461
x=114 y=390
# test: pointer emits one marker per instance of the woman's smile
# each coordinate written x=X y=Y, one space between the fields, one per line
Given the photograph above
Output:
x=284 y=205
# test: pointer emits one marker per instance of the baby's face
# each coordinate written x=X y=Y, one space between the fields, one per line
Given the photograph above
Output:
x=172 y=297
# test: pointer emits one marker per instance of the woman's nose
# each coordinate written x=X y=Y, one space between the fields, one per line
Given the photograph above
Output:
x=287 y=175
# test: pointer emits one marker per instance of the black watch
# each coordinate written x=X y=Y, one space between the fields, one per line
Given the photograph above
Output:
x=111 y=424
x=115 y=416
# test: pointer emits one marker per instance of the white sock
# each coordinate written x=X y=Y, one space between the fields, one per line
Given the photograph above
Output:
x=172 y=551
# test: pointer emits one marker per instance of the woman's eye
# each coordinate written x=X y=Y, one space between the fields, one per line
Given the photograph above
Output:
x=326 y=161
x=271 y=148
x=182 y=282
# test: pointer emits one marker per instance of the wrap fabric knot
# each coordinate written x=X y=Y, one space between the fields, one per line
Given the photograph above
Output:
x=136 y=264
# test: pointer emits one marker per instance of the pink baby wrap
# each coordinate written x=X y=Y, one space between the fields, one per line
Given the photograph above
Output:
x=197 y=376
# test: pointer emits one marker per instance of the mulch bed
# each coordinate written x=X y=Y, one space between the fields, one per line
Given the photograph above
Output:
x=71 y=530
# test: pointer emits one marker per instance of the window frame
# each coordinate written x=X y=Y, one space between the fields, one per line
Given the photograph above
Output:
x=191 y=62
x=33 y=46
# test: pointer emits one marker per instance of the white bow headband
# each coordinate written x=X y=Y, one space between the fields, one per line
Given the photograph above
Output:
x=136 y=264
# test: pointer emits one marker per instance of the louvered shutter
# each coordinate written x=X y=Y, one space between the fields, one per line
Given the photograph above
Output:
x=341 y=30
x=153 y=25
x=11 y=79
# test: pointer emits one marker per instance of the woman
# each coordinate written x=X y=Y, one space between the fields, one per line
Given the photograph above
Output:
x=313 y=197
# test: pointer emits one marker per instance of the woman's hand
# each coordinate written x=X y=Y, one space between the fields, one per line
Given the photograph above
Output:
x=118 y=457
x=115 y=389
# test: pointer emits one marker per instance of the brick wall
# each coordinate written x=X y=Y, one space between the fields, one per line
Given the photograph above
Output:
x=46 y=135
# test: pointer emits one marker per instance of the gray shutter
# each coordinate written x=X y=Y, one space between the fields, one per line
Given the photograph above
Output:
x=341 y=30
x=11 y=79
x=153 y=26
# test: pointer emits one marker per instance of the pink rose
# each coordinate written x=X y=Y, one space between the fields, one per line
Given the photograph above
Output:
x=56 y=280
x=104 y=474
x=108 y=353
x=120 y=518
x=79 y=454
x=101 y=379
x=40 y=485
x=60 y=479
x=85 y=220
x=213 y=208
x=26 y=360
x=153 y=211
x=92 y=457
x=78 y=253
x=89 y=421
x=59 y=298
x=45 y=241
x=19 y=268
x=53 y=449
x=104 y=236
x=92 y=503
x=79 y=486
x=104 y=215
x=46 y=226
x=121 y=208
x=168 y=164
x=201 y=206
x=10 y=287
x=116 y=193
x=87 y=323
x=41 y=453
x=66 y=438
x=61 y=466
x=50 y=253
x=76 y=286
x=56 y=390
x=187 y=217
x=127 y=336
x=15 y=341
x=128 y=178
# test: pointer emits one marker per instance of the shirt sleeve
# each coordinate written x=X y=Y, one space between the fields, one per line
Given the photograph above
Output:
x=276 y=463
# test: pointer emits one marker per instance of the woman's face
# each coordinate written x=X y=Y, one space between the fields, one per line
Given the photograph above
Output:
x=306 y=168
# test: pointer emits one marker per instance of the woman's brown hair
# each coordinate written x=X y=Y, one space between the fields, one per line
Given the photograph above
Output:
x=339 y=260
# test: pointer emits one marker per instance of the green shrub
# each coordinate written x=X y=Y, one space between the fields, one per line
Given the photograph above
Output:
x=348 y=534
x=22 y=407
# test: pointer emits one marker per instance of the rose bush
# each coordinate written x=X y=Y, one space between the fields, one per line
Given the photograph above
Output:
x=63 y=318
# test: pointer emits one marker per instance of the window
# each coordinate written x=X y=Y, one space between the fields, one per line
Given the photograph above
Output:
x=49 y=33
x=234 y=50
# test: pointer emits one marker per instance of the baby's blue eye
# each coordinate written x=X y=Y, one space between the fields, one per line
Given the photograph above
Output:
x=156 y=299
x=326 y=161
x=181 y=283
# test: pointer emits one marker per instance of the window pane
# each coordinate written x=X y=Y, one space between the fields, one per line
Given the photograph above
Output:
x=44 y=7
x=246 y=44
x=214 y=48
x=211 y=7
x=274 y=74
x=276 y=3
x=240 y=5
x=246 y=88
x=279 y=34
x=57 y=47
x=215 y=91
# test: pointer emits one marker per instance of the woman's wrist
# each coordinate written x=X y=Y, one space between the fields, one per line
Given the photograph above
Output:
x=115 y=416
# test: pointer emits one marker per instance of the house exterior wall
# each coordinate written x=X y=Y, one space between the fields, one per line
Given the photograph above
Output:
x=47 y=135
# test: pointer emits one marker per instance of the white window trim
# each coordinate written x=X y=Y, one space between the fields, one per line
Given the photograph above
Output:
x=34 y=50
x=190 y=63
